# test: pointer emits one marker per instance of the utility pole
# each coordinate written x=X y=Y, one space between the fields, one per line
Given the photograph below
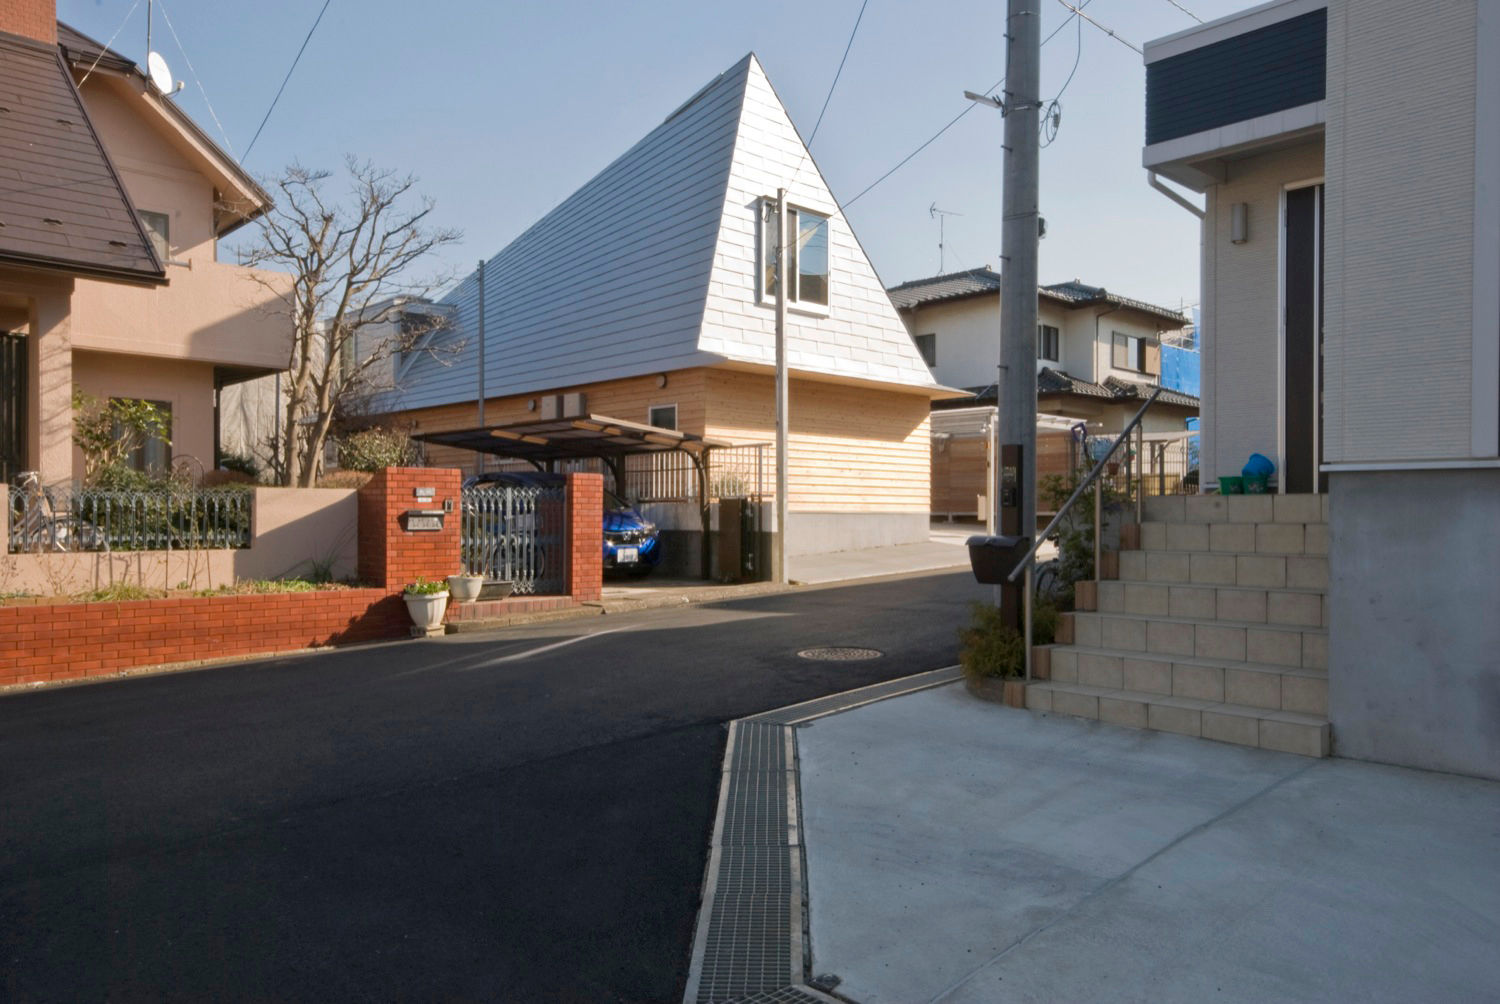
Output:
x=782 y=395
x=479 y=458
x=1014 y=489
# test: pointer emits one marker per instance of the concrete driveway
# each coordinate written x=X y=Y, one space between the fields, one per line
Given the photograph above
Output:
x=961 y=851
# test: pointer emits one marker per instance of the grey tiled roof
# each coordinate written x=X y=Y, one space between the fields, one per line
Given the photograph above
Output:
x=1051 y=381
x=981 y=281
x=61 y=204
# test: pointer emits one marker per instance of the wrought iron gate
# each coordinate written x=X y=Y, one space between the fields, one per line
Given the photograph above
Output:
x=515 y=533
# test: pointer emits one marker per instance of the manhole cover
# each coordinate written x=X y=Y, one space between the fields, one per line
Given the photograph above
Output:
x=836 y=654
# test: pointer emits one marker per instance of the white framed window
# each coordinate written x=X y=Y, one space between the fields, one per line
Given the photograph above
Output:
x=927 y=345
x=807 y=255
x=1048 y=343
x=159 y=229
x=663 y=416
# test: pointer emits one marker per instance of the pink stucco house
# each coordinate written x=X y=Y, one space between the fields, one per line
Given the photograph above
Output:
x=112 y=203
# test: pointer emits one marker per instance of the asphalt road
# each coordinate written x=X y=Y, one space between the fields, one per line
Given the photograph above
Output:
x=519 y=816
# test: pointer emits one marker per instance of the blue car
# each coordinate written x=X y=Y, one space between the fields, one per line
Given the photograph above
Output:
x=631 y=542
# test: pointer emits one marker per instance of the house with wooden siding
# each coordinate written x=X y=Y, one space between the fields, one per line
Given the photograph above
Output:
x=647 y=296
x=112 y=203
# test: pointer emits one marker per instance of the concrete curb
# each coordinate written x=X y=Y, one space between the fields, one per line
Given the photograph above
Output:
x=752 y=939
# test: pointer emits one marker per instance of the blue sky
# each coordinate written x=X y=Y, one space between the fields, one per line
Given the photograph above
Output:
x=504 y=108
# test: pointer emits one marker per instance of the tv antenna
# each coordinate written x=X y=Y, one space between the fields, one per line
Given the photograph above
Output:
x=157 y=70
x=941 y=215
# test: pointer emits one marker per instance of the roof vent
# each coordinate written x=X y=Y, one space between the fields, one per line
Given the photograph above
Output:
x=54 y=222
x=66 y=122
x=118 y=244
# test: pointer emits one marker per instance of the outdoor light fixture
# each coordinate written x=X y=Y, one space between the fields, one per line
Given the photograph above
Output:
x=1239 y=223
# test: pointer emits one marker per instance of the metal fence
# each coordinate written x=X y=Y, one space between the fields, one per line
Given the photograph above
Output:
x=671 y=475
x=1166 y=468
x=516 y=534
x=106 y=519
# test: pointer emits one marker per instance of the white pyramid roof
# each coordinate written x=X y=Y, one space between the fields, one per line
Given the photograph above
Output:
x=652 y=266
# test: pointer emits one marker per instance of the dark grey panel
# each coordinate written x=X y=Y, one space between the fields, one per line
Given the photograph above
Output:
x=1280 y=66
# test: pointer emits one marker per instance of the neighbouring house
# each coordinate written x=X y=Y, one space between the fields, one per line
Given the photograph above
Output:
x=112 y=203
x=1350 y=158
x=1099 y=356
x=647 y=296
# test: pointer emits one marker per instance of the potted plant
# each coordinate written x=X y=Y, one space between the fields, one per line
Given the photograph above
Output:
x=465 y=586
x=426 y=602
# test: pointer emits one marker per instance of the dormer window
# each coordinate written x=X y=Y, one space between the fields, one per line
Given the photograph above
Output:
x=807 y=265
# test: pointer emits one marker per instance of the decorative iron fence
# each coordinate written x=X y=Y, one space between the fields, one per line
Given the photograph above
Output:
x=516 y=534
x=107 y=519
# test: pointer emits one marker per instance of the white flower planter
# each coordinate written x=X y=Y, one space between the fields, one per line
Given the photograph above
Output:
x=426 y=611
x=465 y=588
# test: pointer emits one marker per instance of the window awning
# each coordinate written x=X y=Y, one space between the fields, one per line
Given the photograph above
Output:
x=571 y=438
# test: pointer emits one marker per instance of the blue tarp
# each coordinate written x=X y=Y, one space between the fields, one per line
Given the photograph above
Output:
x=1179 y=369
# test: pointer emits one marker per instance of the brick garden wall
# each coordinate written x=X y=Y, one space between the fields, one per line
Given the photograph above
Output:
x=63 y=641
x=67 y=641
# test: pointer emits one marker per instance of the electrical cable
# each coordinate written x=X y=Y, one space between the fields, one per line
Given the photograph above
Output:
x=223 y=134
x=288 y=77
x=1108 y=31
x=1052 y=114
x=1189 y=13
x=837 y=73
x=111 y=42
x=1060 y=27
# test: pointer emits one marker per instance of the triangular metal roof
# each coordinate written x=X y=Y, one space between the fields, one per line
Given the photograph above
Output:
x=651 y=266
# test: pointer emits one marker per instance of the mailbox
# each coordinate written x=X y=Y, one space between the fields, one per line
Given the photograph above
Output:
x=422 y=520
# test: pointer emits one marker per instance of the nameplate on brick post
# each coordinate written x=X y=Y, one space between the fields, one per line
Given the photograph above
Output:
x=422 y=520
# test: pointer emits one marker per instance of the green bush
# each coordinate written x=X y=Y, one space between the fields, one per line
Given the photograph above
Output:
x=375 y=449
x=991 y=648
x=1044 y=618
x=241 y=462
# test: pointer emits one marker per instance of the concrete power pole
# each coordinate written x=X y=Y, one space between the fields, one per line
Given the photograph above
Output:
x=1016 y=384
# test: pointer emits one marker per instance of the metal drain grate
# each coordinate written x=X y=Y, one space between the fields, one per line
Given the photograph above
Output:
x=834 y=703
x=838 y=654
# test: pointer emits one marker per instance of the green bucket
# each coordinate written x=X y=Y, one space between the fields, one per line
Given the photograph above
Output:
x=1231 y=485
x=1256 y=484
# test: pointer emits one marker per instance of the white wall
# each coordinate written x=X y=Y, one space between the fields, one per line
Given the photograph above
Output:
x=1240 y=313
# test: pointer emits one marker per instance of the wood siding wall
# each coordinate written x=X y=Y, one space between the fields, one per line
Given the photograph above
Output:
x=850 y=449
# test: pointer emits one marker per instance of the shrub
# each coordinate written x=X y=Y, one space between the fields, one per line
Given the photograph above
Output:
x=373 y=449
x=344 y=479
x=1044 y=618
x=991 y=648
x=241 y=462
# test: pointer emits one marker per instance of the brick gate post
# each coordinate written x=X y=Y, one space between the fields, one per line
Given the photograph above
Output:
x=390 y=556
x=585 y=543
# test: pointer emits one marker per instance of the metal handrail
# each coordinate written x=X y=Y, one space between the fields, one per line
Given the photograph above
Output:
x=1083 y=486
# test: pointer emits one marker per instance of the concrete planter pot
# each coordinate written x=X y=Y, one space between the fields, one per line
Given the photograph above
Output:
x=465 y=588
x=1011 y=693
x=426 y=611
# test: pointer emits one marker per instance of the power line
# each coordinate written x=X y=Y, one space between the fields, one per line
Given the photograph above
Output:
x=951 y=123
x=287 y=77
x=105 y=47
x=1108 y=31
x=1060 y=27
x=1189 y=13
x=838 y=72
x=186 y=59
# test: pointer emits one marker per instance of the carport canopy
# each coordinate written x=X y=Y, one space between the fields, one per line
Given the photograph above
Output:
x=574 y=438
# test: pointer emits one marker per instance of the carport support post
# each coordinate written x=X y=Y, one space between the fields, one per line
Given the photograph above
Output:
x=705 y=516
x=479 y=457
x=779 y=539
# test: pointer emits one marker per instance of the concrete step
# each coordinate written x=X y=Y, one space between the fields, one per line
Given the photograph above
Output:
x=1239 y=538
x=1277 y=688
x=1271 y=645
x=1225 y=568
x=1285 y=731
x=1254 y=605
x=1235 y=508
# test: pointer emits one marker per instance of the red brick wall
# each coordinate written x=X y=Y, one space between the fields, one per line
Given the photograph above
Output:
x=585 y=575
x=33 y=18
x=389 y=557
x=66 y=641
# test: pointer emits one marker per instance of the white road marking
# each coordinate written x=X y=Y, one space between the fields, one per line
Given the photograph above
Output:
x=517 y=656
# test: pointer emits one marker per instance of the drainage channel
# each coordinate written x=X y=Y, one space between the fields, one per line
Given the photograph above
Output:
x=751 y=942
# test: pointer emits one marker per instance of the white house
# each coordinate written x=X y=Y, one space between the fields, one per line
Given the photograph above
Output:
x=1349 y=153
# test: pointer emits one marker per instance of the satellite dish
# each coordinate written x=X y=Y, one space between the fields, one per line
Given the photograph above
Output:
x=158 y=71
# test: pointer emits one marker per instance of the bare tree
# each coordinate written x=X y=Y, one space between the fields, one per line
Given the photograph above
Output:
x=354 y=265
